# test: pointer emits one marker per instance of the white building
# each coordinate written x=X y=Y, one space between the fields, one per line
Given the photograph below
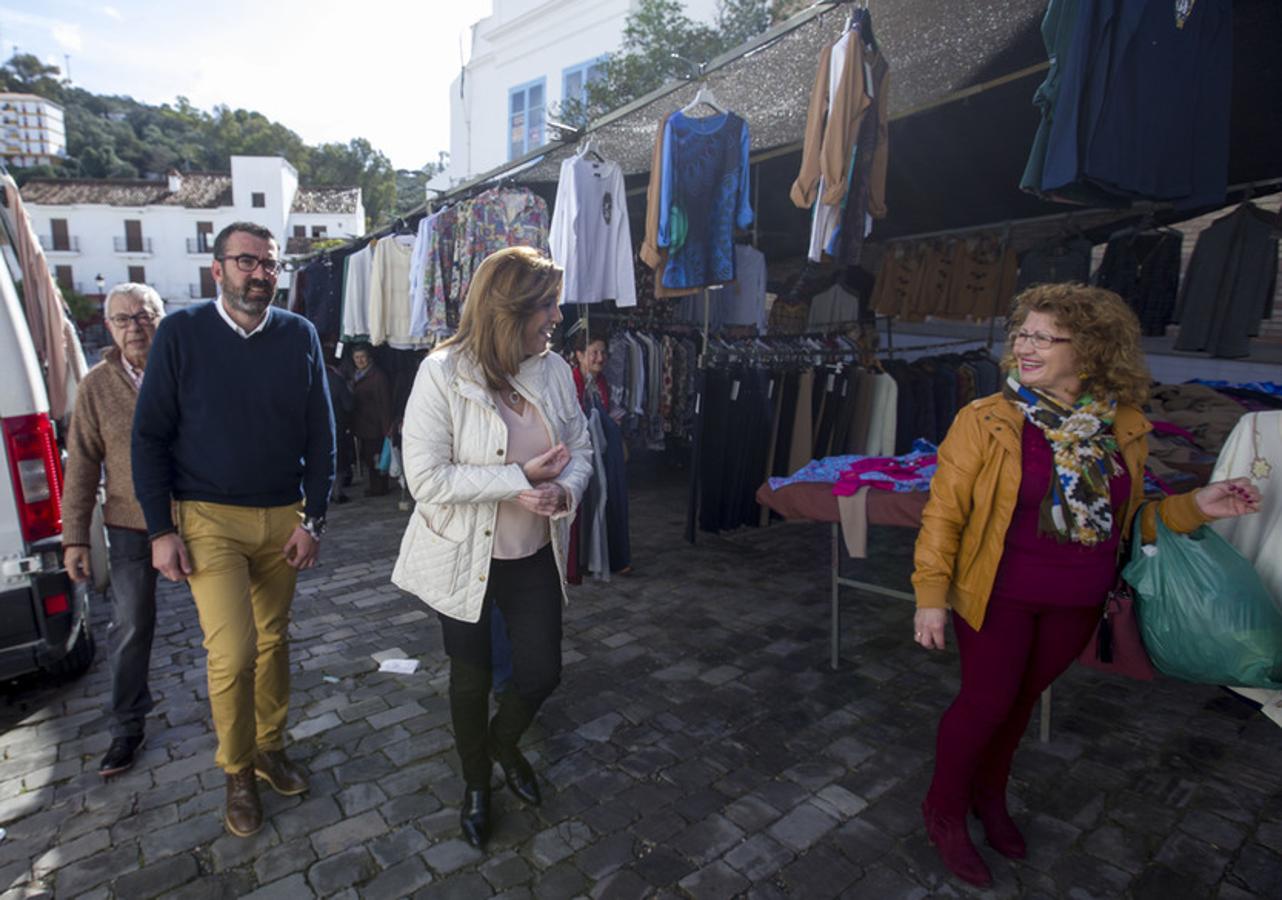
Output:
x=32 y=130
x=527 y=57
x=161 y=232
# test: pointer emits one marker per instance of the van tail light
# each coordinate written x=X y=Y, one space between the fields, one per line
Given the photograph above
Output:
x=56 y=604
x=37 y=475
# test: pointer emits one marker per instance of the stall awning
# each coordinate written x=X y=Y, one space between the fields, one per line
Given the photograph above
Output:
x=962 y=119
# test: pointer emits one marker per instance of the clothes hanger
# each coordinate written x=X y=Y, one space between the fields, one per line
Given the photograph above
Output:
x=863 y=21
x=1272 y=219
x=588 y=148
x=703 y=96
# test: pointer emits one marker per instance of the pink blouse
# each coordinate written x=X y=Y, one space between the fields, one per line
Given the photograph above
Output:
x=519 y=533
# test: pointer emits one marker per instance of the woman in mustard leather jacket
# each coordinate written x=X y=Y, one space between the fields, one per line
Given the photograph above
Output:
x=1036 y=487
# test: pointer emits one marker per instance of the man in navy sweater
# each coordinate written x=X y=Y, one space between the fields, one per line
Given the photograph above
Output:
x=233 y=459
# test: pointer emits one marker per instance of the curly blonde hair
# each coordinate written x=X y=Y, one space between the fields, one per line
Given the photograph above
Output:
x=1104 y=332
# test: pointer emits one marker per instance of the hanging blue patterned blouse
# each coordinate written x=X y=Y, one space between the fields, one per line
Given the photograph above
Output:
x=703 y=197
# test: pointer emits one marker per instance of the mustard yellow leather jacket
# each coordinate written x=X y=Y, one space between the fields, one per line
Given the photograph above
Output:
x=973 y=495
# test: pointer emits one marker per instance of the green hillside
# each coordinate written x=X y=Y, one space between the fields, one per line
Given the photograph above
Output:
x=119 y=137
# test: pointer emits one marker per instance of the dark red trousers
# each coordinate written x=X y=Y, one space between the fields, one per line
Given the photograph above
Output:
x=1021 y=648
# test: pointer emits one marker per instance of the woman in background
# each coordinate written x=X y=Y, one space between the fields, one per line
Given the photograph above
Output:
x=371 y=420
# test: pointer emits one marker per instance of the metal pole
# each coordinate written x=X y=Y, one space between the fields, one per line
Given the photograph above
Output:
x=835 y=637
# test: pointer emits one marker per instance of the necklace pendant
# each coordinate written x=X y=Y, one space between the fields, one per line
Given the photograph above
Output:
x=1261 y=468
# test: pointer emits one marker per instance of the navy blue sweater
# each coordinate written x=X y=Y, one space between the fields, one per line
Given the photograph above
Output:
x=227 y=419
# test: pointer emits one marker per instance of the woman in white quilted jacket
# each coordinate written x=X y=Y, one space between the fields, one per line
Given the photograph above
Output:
x=496 y=454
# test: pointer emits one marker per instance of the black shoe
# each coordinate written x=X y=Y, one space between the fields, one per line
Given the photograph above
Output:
x=120 y=755
x=474 y=818
x=519 y=775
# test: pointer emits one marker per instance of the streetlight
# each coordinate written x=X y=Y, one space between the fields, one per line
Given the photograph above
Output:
x=101 y=282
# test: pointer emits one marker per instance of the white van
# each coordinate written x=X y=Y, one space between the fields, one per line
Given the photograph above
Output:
x=44 y=619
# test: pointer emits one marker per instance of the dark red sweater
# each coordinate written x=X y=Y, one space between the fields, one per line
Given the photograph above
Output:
x=1037 y=567
x=602 y=388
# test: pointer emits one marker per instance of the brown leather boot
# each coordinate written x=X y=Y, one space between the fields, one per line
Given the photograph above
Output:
x=244 y=810
x=285 y=777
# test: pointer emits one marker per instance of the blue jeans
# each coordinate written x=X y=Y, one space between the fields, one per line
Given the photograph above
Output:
x=133 y=625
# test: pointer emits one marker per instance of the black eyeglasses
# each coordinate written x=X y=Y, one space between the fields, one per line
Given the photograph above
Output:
x=247 y=263
x=142 y=319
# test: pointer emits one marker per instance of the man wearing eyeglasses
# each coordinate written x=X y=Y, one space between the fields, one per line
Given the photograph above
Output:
x=233 y=459
x=99 y=438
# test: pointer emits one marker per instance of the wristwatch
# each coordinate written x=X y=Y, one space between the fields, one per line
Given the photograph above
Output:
x=314 y=525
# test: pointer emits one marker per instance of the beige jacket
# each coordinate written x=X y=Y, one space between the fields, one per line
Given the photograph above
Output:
x=100 y=435
x=830 y=132
x=452 y=454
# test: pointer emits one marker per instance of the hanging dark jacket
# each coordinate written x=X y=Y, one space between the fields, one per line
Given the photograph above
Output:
x=1228 y=285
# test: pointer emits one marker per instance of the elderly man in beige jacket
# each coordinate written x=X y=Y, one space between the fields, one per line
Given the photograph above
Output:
x=101 y=427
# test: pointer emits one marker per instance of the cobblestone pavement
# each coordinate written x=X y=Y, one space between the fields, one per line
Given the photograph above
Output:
x=698 y=747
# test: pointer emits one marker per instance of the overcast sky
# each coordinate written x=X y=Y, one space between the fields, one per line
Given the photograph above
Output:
x=330 y=71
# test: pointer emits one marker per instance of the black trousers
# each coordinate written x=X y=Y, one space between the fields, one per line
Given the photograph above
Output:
x=528 y=592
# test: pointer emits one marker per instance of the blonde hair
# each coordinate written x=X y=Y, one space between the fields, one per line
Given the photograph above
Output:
x=508 y=288
x=1105 y=337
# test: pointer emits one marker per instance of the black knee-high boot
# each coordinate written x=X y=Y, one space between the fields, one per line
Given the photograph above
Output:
x=469 y=712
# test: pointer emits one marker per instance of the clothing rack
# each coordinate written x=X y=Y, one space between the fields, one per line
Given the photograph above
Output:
x=959 y=342
x=781 y=350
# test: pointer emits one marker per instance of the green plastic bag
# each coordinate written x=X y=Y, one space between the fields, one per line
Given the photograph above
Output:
x=1204 y=613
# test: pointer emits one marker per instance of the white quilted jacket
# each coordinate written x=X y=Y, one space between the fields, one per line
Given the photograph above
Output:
x=453 y=442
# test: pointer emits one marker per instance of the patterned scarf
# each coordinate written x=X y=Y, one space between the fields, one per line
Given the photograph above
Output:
x=1078 y=506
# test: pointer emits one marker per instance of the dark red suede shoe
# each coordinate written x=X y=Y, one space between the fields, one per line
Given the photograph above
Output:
x=1002 y=832
x=955 y=848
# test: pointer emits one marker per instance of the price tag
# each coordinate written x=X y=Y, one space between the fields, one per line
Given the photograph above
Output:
x=338 y=350
x=698 y=402
x=770 y=389
x=831 y=380
x=734 y=391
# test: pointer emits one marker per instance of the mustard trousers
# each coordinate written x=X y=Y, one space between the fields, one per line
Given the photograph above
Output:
x=243 y=589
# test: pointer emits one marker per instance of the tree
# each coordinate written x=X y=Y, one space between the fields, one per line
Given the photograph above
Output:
x=25 y=73
x=354 y=163
x=654 y=32
x=118 y=137
x=411 y=184
x=102 y=162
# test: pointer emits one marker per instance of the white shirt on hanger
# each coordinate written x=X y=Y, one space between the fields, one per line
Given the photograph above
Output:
x=826 y=217
x=356 y=292
x=744 y=302
x=590 y=236
x=389 y=294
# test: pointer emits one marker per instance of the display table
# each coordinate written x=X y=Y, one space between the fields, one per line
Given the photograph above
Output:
x=814 y=502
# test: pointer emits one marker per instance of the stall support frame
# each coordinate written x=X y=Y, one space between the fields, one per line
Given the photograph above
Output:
x=839 y=581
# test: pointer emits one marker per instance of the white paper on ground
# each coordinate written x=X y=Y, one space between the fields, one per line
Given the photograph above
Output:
x=399 y=666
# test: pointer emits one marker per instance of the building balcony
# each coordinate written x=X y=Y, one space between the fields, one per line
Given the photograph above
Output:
x=200 y=245
x=125 y=245
x=68 y=245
